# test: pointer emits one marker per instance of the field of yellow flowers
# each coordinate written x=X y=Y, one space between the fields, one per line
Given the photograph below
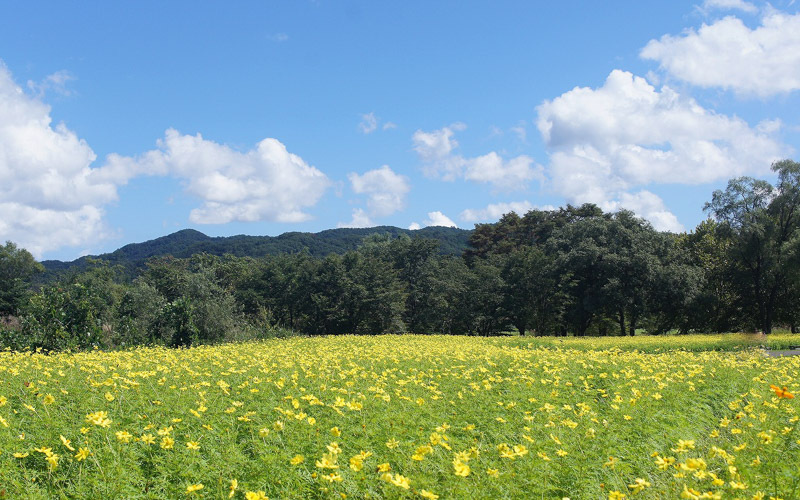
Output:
x=401 y=417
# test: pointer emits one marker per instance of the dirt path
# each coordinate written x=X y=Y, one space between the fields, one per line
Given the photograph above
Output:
x=779 y=354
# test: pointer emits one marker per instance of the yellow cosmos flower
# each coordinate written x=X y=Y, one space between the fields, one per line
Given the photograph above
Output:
x=83 y=454
x=460 y=468
x=256 y=495
x=639 y=485
x=147 y=439
x=233 y=487
x=124 y=436
x=193 y=445
x=392 y=444
x=297 y=460
x=335 y=432
x=66 y=442
x=194 y=487
x=428 y=494
x=167 y=443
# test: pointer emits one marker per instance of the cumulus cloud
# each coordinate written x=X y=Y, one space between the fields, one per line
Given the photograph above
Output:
x=437 y=218
x=49 y=196
x=386 y=190
x=437 y=150
x=648 y=206
x=264 y=183
x=604 y=142
x=360 y=219
x=496 y=210
x=763 y=61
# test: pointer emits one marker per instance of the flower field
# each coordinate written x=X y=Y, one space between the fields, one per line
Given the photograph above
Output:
x=402 y=417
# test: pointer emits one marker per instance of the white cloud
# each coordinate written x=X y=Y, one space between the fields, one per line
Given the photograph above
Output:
x=604 y=142
x=265 y=183
x=763 y=61
x=439 y=219
x=360 y=219
x=496 y=210
x=649 y=206
x=368 y=124
x=729 y=5
x=385 y=190
x=437 y=151
x=414 y=226
x=49 y=196
x=278 y=37
x=57 y=82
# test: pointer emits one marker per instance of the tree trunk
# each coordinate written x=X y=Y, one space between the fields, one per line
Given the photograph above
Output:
x=632 y=330
x=622 y=323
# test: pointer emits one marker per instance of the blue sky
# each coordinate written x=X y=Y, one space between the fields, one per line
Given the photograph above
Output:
x=125 y=121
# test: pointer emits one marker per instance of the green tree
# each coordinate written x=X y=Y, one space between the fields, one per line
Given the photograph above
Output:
x=17 y=267
x=762 y=221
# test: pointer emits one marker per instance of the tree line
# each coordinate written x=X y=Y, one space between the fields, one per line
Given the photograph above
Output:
x=575 y=270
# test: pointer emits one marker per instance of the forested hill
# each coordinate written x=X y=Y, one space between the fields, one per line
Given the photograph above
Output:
x=188 y=242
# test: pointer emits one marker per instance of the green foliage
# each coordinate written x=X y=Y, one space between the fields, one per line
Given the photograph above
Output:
x=17 y=267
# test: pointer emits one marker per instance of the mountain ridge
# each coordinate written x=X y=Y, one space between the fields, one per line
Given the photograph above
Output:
x=187 y=242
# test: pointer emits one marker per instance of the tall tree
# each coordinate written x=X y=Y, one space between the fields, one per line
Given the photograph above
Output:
x=762 y=222
x=17 y=267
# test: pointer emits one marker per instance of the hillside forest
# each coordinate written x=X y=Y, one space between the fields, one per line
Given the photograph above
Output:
x=575 y=270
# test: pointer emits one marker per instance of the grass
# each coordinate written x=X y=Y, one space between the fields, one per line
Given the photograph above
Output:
x=404 y=416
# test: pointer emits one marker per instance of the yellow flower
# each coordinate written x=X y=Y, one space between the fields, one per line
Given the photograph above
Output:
x=82 y=454
x=384 y=467
x=357 y=463
x=461 y=469
x=99 y=418
x=494 y=473
x=52 y=460
x=428 y=494
x=167 y=443
x=392 y=444
x=297 y=460
x=233 y=487
x=109 y=397
x=278 y=426
x=21 y=455
x=48 y=399
x=332 y=477
x=194 y=487
x=66 y=442
x=336 y=432
x=328 y=461
x=396 y=479
x=124 y=436
x=561 y=453
x=263 y=432
x=256 y=495
x=615 y=495
x=147 y=439
x=193 y=445
x=638 y=485
x=610 y=463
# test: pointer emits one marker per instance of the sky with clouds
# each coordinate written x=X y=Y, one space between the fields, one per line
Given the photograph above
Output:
x=122 y=122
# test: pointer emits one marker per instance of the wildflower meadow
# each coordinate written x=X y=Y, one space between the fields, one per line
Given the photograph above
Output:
x=402 y=417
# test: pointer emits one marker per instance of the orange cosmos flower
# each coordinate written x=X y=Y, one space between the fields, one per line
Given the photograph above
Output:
x=781 y=393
